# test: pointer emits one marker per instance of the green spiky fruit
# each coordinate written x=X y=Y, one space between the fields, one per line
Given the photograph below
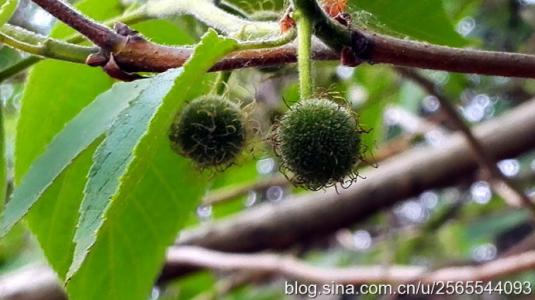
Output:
x=210 y=130
x=319 y=142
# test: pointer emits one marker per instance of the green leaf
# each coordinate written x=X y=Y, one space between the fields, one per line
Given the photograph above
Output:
x=69 y=87
x=55 y=93
x=164 y=32
x=112 y=158
x=77 y=135
x=7 y=10
x=8 y=57
x=424 y=20
x=156 y=193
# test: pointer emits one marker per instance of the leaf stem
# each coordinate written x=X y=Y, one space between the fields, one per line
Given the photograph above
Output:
x=221 y=82
x=272 y=42
x=129 y=18
x=39 y=45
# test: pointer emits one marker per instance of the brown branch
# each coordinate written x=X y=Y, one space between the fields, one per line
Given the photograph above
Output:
x=23 y=286
x=485 y=161
x=31 y=283
x=389 y=50
x=139 y=55
x=287 y=266
x=292 y=268
x=98 y=34
x=492 y=270
x=386 y=50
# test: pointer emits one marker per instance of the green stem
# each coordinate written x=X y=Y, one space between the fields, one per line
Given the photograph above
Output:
x=39 y=45
x=221 y=82
x=331 y=33
x=18 y=67
x=129 y=18
x=273 y=42
x=304 y=54
x=231 y=9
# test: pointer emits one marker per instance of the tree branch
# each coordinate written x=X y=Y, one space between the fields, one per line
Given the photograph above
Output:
x=100 y=35
x=486 y=162
x=375 y=48
x=23 y=285
x=292 y=268
x=144 y=56
x=39 y=45
x=31 y=283
x=388 y=50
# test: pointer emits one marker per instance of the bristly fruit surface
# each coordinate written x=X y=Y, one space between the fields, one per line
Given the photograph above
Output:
x=210 y=130
x=319 y=143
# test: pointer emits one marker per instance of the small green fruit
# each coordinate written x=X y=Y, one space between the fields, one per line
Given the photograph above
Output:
x=319 y=142
x=210 y=130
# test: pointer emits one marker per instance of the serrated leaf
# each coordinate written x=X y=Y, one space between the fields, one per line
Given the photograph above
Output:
x=77 y=135
x=56 y=92
x=424 y=20
x=113 y=156
x=7 y=9
x=156 y=193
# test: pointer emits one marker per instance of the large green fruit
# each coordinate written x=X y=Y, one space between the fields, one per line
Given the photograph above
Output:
x=319 y=143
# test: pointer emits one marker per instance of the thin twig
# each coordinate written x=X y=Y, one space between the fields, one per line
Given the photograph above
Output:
x=30 y=42
x=229 y=193
x=100 y=35
x=485 y=161
x=293 y=268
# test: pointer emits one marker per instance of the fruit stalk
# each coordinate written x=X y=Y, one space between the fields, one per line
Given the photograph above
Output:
x=304 y=54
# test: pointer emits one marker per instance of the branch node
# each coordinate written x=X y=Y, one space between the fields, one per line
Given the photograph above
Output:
x=362 y=46
x=99 y=59
x=115 y=71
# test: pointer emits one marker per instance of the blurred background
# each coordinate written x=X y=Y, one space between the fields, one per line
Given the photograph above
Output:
x=465 y=223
